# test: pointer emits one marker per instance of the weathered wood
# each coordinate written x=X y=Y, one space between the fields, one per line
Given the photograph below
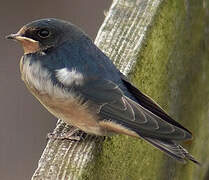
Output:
x=163 y=46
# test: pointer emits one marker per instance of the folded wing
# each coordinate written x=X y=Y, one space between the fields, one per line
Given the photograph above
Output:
x=114 y=106
x=149 y=104
x=120 y=112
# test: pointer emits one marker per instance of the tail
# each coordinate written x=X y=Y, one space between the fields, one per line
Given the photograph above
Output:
x=174 y=150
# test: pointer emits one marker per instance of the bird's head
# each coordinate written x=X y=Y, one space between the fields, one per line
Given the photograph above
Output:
x=43 y=34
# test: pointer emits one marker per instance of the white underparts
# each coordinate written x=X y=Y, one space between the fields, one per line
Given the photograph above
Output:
x=68 y=77
x=40 y=79
x=62 y=103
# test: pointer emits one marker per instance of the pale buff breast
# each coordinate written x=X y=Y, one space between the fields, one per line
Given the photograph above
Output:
x=62 y=104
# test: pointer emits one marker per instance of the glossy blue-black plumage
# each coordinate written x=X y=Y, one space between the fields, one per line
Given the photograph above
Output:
x=83 y=56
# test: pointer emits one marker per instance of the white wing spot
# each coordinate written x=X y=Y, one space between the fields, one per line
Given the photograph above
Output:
x=67 y=77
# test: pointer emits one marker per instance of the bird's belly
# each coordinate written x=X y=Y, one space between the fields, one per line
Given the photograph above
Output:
x=72 y=112
x=62 y=104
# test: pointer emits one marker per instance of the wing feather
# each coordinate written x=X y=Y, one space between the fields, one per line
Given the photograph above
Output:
x=115 y=106
x=149 y=104
x=121 y=114
x=174 y=150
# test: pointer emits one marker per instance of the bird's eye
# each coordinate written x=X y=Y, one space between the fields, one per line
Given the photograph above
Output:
x=43 y=33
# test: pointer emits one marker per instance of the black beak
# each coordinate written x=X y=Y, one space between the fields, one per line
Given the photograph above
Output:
x=12 y=36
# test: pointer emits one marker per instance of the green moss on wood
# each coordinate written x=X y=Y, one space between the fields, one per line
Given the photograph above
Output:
x=172 y=68
x=119 y=159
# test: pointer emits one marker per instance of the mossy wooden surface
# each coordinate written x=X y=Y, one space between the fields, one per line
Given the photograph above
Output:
x=172 y=68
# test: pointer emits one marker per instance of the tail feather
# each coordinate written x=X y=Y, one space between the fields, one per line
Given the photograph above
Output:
x=174 y=150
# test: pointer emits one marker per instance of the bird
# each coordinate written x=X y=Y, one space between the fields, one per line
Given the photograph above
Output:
x=77 y=83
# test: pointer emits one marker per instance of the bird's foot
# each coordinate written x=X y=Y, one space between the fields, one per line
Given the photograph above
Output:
x=69 y=135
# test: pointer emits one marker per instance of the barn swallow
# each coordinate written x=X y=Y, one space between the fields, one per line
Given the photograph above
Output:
x=76 y=82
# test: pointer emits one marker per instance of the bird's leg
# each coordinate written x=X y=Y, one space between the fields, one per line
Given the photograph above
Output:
x=70 y=135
